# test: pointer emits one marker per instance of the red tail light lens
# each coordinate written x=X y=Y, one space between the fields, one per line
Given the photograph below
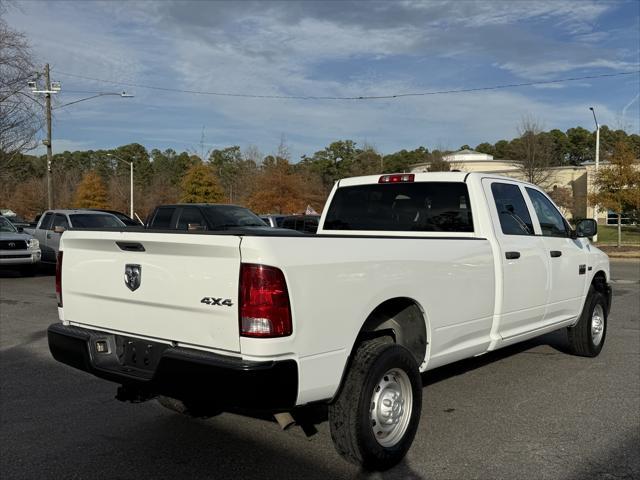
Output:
x=59 y=279
x=397 y=178
x=264 y=302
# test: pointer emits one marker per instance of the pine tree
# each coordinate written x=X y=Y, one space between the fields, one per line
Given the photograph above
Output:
x=91 y=192
x=200 y=185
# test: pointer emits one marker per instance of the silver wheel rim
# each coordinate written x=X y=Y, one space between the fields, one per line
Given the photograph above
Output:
x=597 y=324
x=391 y=405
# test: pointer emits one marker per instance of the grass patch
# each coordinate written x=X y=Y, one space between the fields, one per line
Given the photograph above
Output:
x=609 y=234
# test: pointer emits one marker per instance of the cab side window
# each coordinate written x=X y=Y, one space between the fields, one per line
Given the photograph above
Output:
x=512 y=210
x=191 y=219
x=162 y=218
x=46 y=222
x=60 y=220
x=551 y=222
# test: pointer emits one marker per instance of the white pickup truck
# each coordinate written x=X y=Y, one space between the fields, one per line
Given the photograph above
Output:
x=406 y=273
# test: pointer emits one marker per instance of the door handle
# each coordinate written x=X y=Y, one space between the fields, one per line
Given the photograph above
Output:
x=512 y=255
x=556 y=253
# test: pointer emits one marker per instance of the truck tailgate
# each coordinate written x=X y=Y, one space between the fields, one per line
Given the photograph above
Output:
x=177 y=271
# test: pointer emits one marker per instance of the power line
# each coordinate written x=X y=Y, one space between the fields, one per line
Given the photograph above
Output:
x=359 y=97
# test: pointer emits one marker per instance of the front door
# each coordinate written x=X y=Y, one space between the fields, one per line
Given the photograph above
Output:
x=567 y=256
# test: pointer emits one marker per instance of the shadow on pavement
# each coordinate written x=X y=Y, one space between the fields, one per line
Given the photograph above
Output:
x=42 y=270
x=556 y=340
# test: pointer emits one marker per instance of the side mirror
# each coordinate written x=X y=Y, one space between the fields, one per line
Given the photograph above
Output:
x=587 y=227
x=20 y=229
x=58 y=229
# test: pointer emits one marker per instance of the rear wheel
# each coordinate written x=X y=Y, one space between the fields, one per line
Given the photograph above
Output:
x=586 y=338
x=375 y=417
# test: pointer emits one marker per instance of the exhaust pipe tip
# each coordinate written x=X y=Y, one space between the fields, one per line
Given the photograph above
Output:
x=284 y=419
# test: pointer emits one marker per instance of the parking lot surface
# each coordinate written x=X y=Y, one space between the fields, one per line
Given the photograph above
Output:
x=527 y=411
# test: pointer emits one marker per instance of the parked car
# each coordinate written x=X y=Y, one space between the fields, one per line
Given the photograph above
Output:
x=14 y=218
x=124 y=218
x=408 y=272
x=273 y=221
x=203 y=216
x=302 y=223
x=17 y=248
x=53 y=223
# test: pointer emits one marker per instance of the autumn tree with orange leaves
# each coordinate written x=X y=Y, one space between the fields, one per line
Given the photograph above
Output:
x=278 y=188
x=200 y=185
x=617 y=185
x=91 y=192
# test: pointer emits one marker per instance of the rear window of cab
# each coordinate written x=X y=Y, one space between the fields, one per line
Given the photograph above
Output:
x=410 y=207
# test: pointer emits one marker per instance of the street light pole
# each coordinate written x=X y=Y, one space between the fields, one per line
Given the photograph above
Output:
x=51 y=88
x=130 y=181
x=595 y=207
x=131 y=189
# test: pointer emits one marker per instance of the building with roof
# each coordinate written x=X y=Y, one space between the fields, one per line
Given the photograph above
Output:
x=578 y=179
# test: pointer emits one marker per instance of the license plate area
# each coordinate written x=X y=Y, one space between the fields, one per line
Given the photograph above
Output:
x=135 y=354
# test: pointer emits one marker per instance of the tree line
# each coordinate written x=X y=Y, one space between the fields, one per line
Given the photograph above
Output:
x=265 y=183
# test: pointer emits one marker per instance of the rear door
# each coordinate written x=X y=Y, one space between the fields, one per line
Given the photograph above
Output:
x=179 y=288
x=567 y=257
x=524 y=259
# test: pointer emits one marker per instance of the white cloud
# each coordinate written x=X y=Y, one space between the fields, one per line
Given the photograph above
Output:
x=324 y=49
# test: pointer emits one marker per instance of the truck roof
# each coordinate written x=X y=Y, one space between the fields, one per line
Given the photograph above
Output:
x=423 y=177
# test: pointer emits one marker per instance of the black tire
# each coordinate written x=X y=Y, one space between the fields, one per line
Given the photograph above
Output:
x=191 y=409
x=581 y=340
x=350 y=415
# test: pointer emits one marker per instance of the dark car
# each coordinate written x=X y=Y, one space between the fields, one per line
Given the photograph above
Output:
x=203 y=216
x=128 y=221
x=16 y=219
x=301 y=223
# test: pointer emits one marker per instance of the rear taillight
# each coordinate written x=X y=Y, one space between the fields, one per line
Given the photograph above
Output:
x=397 y=178
x=264 y=302
x=59 y=279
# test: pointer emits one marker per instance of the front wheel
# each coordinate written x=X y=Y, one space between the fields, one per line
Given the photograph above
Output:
x=375 y=416
x=586 y=337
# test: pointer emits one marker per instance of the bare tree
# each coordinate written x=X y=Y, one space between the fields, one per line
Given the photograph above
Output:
x=532 y=152
x=20 y=112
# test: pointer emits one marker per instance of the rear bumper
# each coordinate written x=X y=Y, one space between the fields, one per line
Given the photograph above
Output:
x=179 y=372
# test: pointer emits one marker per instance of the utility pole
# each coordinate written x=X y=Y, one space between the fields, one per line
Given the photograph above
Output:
x=48 y=141
x=54 y=87
x=50 y=88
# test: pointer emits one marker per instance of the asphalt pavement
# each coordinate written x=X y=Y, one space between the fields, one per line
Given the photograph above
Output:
x=527 y=411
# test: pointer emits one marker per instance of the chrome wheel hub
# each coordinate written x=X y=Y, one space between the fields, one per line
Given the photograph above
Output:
x=391 y=405
x=597 y=324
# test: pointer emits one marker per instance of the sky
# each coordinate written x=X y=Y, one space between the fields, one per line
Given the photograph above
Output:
x=331 y=48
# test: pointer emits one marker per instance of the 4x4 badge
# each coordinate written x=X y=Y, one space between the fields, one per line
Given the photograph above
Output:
x=132 y=276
